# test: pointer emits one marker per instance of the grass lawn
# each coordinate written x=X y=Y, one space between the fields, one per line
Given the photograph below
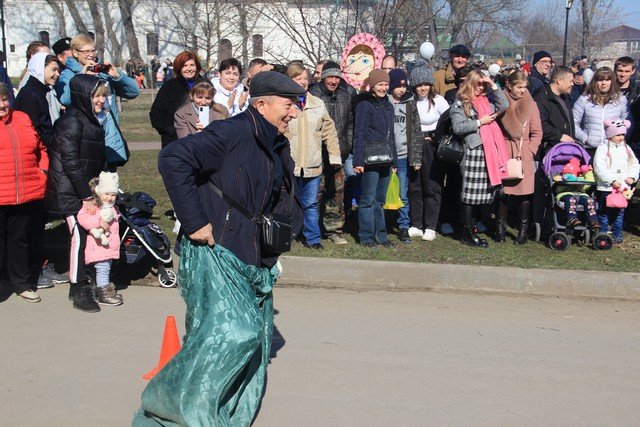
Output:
x=141 y=174
x=134 y=118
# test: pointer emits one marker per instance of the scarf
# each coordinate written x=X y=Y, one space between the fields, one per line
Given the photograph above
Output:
x=517 y=115
x=495 y=148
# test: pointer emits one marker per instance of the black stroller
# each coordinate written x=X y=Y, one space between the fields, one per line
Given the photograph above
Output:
x=140 y=237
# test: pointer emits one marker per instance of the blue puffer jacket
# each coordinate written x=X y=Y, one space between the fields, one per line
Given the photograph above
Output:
x=117 y=151
x=373 y=123
x=589 y=118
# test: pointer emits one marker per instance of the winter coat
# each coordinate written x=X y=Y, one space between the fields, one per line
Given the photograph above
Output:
x=374 y=123
x=94 y=251
x=222 y=97
x=555 y=121
x=589 y=119
x=185 y=119
x=614 y=163
x=444 y=80
x=537 y=81
x=23 y=160
x=415 y=137
x=633 y=98
x=4 y=78
x=78 y=153
x=521 y=122
x=340 y=105
x=117 y=150
x=32 y=99
x=171 y=96
x=248 y=160
x=307 y=133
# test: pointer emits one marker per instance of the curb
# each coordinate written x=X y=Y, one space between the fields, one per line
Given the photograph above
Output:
x=363 y=275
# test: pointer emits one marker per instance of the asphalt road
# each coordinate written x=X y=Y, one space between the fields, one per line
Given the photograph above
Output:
x=343 y=358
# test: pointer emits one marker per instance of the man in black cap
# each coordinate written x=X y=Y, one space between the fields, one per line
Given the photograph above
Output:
x=539 y=77
x=445 y=79
x=62 y=49
x=226 y=271
x=578 y=86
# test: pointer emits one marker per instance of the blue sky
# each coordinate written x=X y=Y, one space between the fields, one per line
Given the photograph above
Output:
x=630 y=11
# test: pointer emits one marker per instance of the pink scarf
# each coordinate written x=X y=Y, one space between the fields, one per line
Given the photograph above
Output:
x=495 y=148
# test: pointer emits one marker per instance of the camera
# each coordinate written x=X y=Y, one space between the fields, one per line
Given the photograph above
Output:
x=100 y=68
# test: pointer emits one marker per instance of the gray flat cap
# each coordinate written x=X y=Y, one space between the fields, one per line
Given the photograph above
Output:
x=268 y=83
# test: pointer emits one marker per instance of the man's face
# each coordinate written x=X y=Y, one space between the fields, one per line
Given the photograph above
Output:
x=317 y=73
x=332 y=83
x=624 y=73
x=64 y=55
x=278 y=111
x=544 y=66
x=565 y=83
x=578 y=80
x=458 y=61
x=388 y=64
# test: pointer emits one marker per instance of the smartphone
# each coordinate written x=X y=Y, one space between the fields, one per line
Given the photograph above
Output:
x=203 y=115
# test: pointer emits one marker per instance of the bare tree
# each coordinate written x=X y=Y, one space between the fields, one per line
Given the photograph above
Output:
x=114 y=46
x=125 y=7
x=81 y=27
x=97 y=25
x=57 y=7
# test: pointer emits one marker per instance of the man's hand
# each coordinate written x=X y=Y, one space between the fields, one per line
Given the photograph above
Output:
x=204 y=235
x=416 y=168
x=566 y=138
x=358 y=169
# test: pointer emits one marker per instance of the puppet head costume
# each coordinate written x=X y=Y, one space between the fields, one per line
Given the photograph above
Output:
x=362 y=54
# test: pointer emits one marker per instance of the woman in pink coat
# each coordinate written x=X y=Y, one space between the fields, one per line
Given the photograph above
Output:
x=522 y=131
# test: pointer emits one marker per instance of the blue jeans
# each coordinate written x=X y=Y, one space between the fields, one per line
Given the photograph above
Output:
x=307 y=189
x=375 y=181
x=610 y=217
x=351 y=184
x=403 y=177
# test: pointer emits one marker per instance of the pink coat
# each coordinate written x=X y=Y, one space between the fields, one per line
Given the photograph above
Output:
x=94 y=251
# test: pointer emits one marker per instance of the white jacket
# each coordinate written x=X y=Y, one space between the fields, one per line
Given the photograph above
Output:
x=589 y=119
x=614 y=163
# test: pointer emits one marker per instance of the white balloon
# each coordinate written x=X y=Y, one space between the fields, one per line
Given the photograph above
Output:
x=494 y=69
x=587 y=75
x=427 y=50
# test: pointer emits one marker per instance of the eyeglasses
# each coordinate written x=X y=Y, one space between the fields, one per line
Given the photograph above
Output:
x=87 y=51
x=545 y=61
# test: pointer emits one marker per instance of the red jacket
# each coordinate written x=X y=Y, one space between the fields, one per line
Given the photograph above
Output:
x=23 y=160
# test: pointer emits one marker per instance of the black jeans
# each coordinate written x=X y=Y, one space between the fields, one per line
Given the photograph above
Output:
x=425 y=190
x=15 y=223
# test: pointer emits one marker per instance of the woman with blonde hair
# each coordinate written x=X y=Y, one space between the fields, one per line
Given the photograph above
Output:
x=483 y=165
x=602 y=100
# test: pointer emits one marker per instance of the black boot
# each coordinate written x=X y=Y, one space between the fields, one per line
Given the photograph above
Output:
x=84 y=299
x=523 y=231
x=470 y=231
x=73 y=290
x=501 y=221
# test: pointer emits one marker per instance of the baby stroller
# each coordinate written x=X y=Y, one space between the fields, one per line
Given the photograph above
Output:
x=141 y=237
x=553 y=164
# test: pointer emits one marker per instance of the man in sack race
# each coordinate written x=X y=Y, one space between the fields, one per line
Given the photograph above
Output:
x=224 y=182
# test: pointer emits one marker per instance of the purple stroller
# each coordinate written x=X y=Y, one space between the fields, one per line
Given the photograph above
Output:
x=562 y=236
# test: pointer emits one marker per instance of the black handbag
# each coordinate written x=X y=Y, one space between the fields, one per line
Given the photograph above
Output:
x=276 y=230
x=378 y=153
x=450 y=149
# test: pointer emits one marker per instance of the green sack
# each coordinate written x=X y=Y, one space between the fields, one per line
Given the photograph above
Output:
x=393 y=202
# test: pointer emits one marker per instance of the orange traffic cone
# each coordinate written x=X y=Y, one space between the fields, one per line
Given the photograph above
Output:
x=170 y=346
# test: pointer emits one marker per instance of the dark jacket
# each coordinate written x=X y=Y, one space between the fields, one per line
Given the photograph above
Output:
x=171 y=96
x=250 y=162
x=374 y=123
x=32 y=99
x=536 y=81
x=4 y=78
x=576 y=92
x=78 y=153
x=340 y=106
x=633 y=97
x=555 y=121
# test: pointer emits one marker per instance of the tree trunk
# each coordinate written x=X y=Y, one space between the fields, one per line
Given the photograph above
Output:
x=129 y=30
x=62 y=22
x=114 y=43
x=99 y=27
x=77 y=19
x=244 y=32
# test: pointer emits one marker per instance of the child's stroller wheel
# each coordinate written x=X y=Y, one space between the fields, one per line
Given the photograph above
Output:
x=602 y=241
x=168 y=279
x=559 y=241
x=537 y=231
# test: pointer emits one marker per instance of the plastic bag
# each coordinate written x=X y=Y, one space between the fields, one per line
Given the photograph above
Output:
x=393 y=201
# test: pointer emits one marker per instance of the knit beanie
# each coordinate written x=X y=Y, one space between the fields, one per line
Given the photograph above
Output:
x=421 y=75
x=539 y=55
x=330 y=69
x=616 y=127
x=109 y=182
x=377 y=76
x=397 y=78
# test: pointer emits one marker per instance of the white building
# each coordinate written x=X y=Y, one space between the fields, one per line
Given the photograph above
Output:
x=166 y=27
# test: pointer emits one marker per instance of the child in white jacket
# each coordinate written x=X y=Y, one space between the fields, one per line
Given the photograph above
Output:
x=616 y=168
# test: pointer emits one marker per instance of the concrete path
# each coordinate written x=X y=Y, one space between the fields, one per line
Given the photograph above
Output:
x=343 y=358
x=144 y=145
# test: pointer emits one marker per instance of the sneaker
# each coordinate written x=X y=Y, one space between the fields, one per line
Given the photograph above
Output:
x=369 y=244
x=403 y=236
x=446 y=229
x=337 y=239
x=388 y=244
x=44 y=282
x=316 y=246
x=29 y=296
x=49 y=272
x=429 y=235
x=415 y=232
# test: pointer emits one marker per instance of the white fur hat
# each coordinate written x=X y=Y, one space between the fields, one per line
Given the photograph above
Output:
x=109 y=182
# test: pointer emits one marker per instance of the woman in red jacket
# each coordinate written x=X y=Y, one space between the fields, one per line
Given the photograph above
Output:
x=23 y=179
